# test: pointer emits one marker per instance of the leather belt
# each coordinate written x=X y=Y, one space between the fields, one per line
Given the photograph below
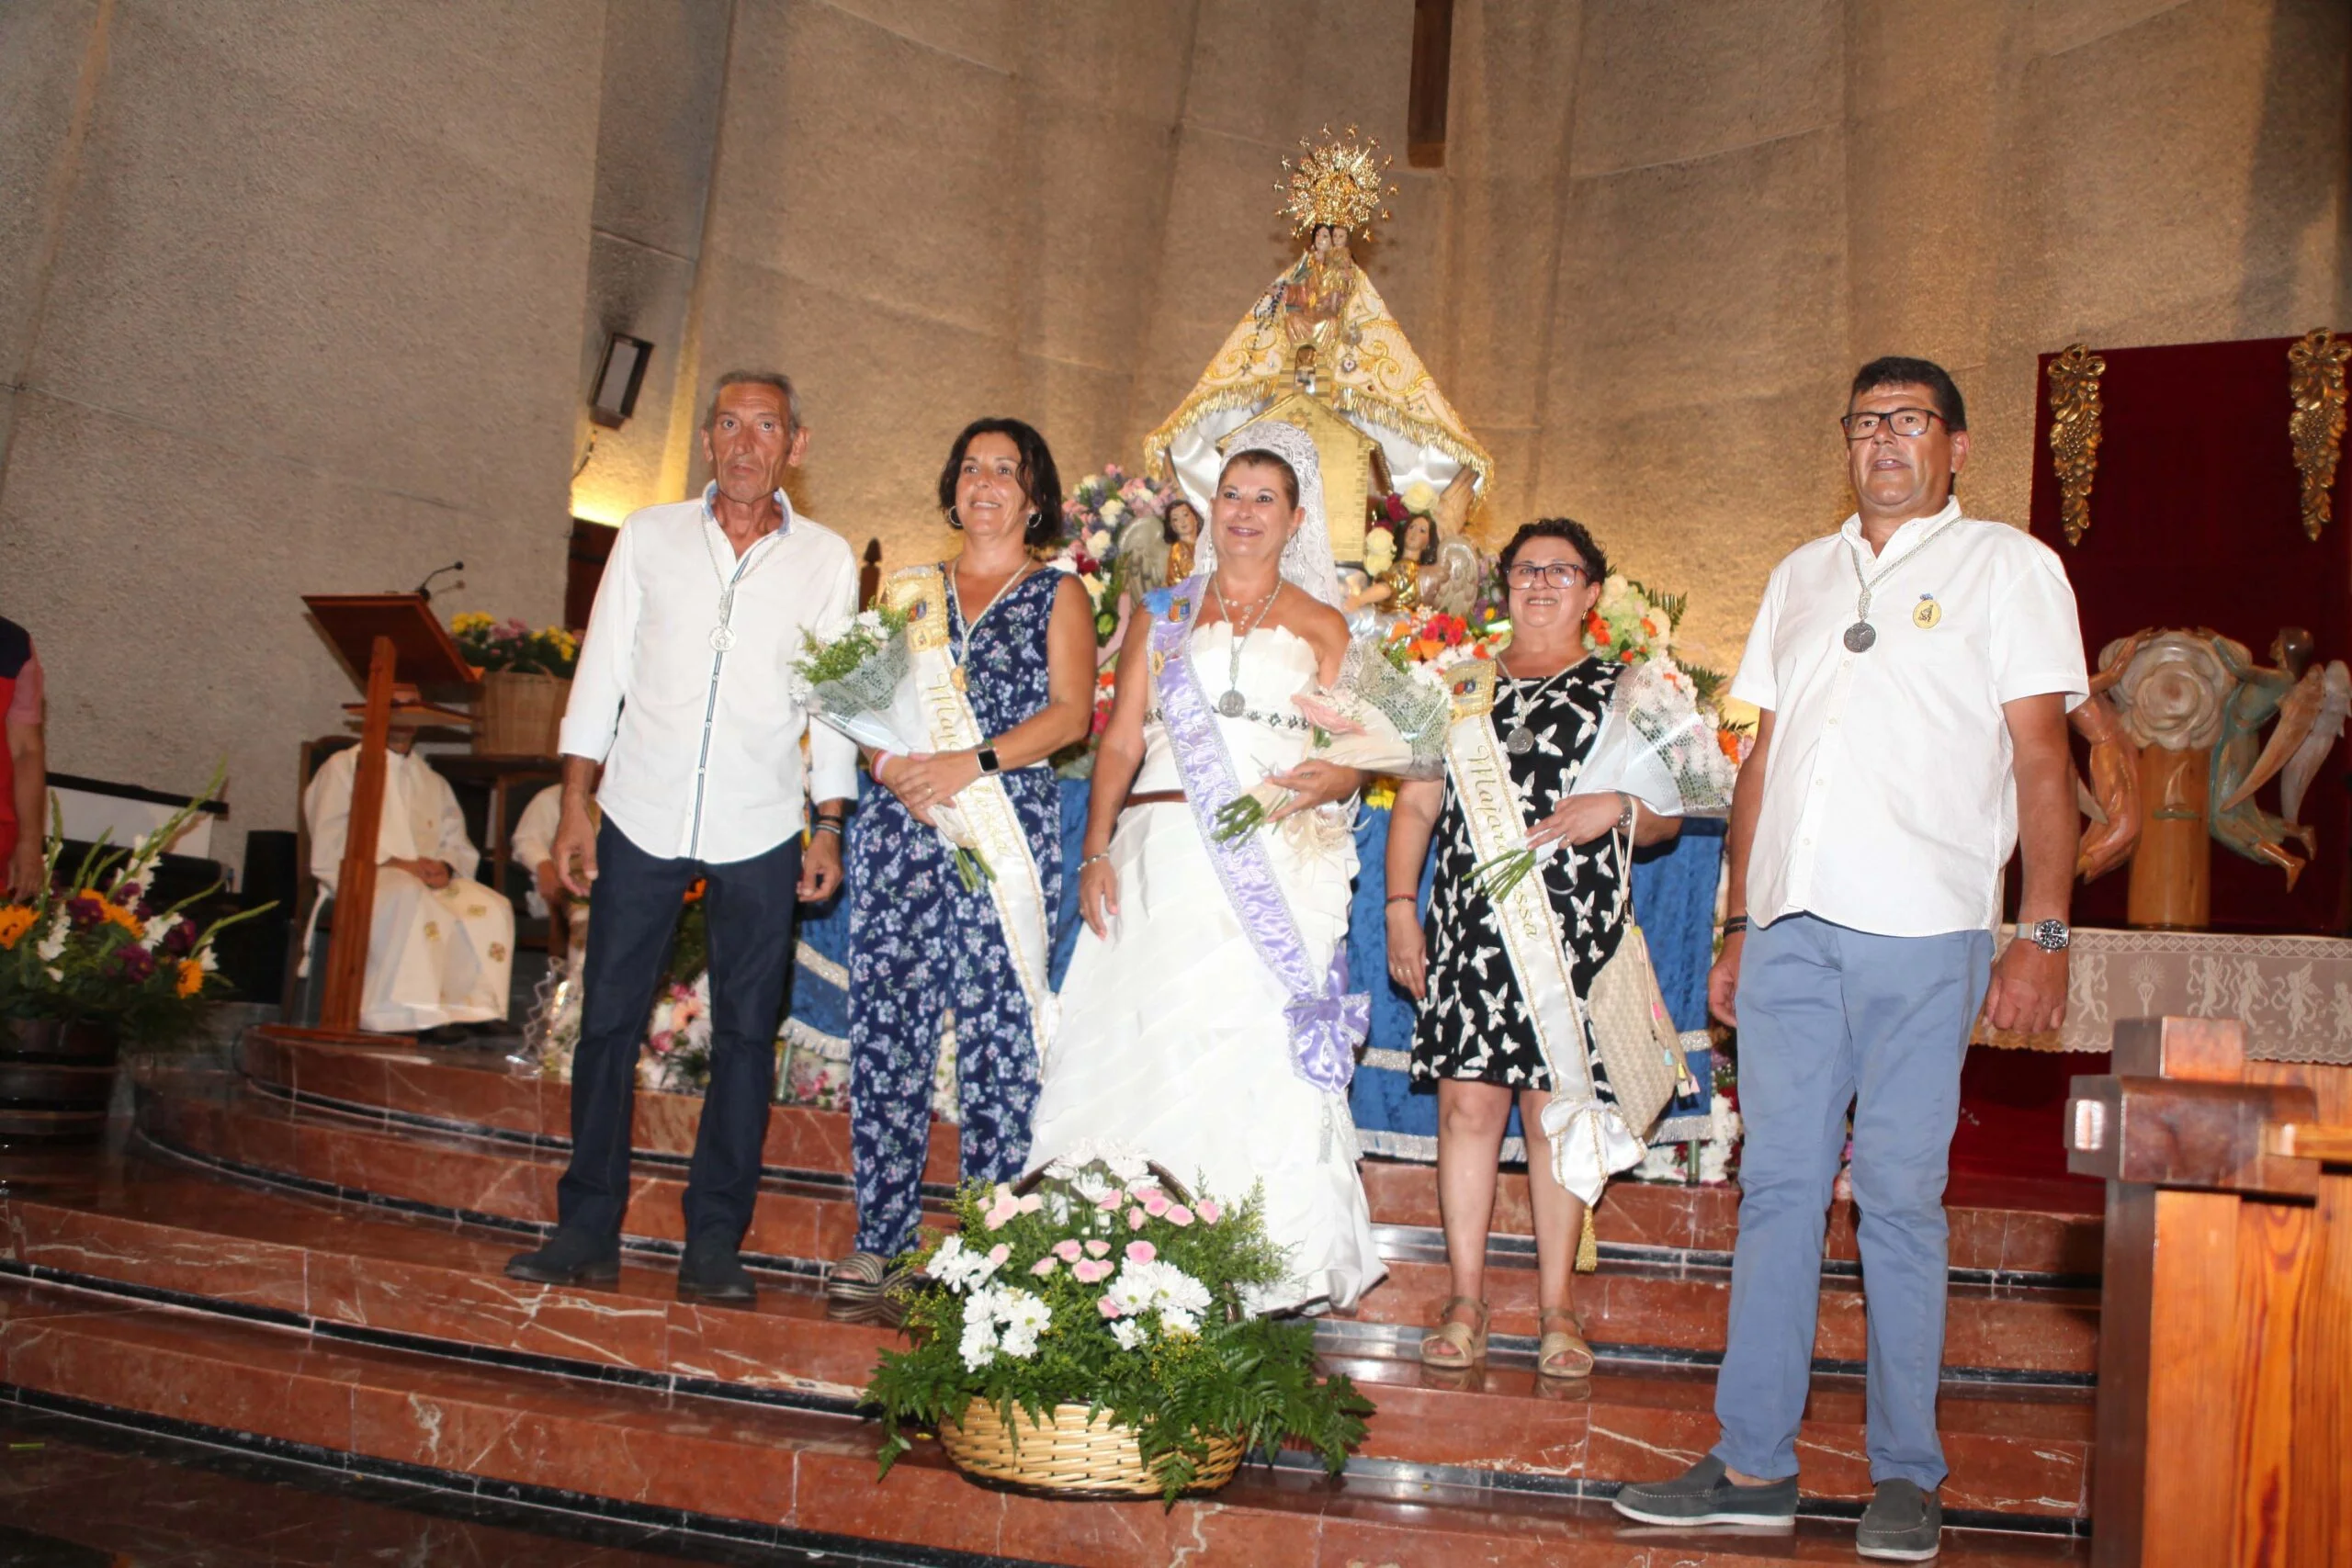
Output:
x=1153 y=797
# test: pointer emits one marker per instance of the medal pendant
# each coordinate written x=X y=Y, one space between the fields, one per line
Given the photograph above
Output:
x=722 y=638
x=1519 y=741
x=957 y=675
x=1860 y=635
x=1233 y=705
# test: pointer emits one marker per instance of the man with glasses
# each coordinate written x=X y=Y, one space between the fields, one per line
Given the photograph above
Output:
x=1913 y=672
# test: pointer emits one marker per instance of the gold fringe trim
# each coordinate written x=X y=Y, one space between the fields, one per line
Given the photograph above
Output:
x=1587 y=1246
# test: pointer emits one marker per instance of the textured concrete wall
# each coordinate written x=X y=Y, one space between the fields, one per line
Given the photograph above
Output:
x=303 y=297
x=311 y=322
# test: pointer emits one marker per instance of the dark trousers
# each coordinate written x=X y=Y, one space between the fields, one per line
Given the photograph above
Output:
x=750 y=906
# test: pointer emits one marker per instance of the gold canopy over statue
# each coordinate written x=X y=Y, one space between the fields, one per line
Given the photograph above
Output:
x=1320 y=351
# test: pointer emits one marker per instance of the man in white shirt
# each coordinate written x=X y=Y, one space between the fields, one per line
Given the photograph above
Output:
x=684 y=694
x=440 y=945
x=1913 y=672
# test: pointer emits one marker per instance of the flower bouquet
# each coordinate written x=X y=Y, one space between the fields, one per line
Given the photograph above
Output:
x=861 y=681
x=1387 y=713
x=91 y=949
x=509 y=647
x=1100 y=1299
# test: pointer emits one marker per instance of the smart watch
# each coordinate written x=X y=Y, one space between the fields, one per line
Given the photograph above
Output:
x=2051 y=936
x=989 y=764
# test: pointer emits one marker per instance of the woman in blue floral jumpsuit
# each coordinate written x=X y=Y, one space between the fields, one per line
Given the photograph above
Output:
x=922 y=944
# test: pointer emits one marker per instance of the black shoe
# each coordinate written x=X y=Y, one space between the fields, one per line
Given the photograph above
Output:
x=1701 y=1495
x=570 y=1257
x=1903 y=1523
x=714 y=1271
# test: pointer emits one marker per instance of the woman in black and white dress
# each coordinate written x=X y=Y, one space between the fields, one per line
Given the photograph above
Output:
x=1475 y=1037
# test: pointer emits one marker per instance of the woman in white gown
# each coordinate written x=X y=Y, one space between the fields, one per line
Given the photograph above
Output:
x=1203 y=1018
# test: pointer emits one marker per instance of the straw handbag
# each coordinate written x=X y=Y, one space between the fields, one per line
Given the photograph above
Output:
x=1640 y=1047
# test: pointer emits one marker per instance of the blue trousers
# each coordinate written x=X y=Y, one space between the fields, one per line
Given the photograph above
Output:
x=750 y=906
x=1829 y=1016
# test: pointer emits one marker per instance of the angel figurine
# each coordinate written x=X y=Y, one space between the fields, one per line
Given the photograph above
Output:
x=2309 y=702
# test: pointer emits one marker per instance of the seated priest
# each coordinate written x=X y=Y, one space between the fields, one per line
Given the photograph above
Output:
x=441 y=945
x=534 y=851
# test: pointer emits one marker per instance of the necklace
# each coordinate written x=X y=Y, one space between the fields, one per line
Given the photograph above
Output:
x=722 y=636
x=963 y=648
x=1521 y=739
x=1233 y=705
x=1861 y=634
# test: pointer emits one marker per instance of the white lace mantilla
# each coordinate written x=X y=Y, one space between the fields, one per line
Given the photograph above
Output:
x=2292 y=993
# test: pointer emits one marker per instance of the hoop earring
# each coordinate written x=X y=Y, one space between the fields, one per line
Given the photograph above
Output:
x=953 y=521
x=1036 y=517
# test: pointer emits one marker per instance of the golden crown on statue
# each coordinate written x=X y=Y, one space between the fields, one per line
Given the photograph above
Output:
x=1337 y=182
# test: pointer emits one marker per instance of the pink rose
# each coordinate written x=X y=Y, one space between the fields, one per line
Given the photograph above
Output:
x=1179 y=1215
x=1090 y=1271
x=1044 y=1266
x=1067 y=1251
x=1135 y=1219
x=1210 y=1212
x=1098 y=1249
x=1141 y=1252
x=1108 y=1306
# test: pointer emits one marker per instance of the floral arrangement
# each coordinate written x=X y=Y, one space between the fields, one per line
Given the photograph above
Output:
x=94 y=948
x=1435 y=639
x=1107 y=1285
x=490 y=644
x=823 y=662
x=1094 y=516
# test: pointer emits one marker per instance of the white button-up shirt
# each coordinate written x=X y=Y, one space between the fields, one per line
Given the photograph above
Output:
x=702 y=748
x=1889 y=802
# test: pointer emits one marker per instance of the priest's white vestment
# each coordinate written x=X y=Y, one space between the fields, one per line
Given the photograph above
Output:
x=435 y=955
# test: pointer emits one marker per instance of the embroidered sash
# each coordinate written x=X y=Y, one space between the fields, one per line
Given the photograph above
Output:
x=982 y=817
x=1326 y=1023
x=1590 y=1140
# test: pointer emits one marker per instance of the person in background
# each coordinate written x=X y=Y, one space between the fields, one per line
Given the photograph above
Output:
x=532 y=847
x=684 y=695
x=922 y=943
x=24 y=769
x=440 y=945
x=1912 y=674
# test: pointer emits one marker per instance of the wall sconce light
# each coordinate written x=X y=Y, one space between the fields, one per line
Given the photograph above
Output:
x=618 y=378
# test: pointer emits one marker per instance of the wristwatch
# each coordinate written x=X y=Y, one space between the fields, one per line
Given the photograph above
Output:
x=986 y=755
x=2051 y=936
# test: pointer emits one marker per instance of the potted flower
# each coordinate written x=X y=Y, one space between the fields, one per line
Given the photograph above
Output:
x=1091 y=1333
x=87 y=964
x=525 y=682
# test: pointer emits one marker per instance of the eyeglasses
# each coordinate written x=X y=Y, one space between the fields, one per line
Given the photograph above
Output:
x=1903 y=422
x=1558 y=573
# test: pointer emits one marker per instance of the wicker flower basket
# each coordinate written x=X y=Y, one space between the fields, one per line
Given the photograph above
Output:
x=1069 y=1456
x=521 y=715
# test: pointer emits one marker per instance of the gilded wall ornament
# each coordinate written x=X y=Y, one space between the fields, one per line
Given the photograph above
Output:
x=2315 y=377
x=2074 y=434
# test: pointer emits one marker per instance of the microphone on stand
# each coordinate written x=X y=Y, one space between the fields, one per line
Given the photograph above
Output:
x=425 y=589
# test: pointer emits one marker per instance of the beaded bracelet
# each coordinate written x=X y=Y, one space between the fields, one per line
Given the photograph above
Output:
x=1091 y=858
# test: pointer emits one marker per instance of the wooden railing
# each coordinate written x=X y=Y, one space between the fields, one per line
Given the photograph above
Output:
x=2225 y=1331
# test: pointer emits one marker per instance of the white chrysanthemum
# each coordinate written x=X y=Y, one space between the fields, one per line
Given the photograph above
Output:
x=53 y=944
x=1024 y=1317
x=1128 y=1333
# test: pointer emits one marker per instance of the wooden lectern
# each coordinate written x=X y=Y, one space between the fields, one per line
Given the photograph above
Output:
x=380 y=635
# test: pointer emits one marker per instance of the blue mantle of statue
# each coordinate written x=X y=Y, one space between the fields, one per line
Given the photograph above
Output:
x=1674 y=897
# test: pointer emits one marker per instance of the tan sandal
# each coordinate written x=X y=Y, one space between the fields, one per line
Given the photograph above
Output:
x=1562 y=1354
x=1456 y=1345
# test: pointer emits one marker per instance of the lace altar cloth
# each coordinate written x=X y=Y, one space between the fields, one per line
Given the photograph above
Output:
x=2292 y=993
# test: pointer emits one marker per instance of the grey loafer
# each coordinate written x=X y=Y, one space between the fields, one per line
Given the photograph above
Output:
x=1704 y=1496
x=1903 y=1523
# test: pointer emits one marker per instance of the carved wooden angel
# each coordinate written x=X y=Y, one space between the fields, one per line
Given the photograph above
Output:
x=2312 y=702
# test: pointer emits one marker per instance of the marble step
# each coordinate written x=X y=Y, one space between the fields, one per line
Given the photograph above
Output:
x=1671 y=1311
x=746 y=1471
x=2001 y=1230
x=348 y=1273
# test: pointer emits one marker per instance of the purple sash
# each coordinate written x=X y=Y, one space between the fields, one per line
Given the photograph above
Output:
x=1326 y=1023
